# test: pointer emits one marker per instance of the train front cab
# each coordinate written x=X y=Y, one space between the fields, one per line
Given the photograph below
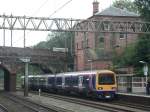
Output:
x=106 y=85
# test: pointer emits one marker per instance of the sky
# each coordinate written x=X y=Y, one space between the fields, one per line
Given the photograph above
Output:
x=78 y=9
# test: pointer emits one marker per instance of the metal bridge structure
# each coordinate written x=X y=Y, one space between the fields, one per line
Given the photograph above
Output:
x=10 y=22
x=9 y=56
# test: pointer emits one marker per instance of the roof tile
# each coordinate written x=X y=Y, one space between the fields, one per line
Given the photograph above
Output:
x=113 y=11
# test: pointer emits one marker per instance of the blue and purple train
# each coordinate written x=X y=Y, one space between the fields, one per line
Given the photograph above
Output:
x=96 y=83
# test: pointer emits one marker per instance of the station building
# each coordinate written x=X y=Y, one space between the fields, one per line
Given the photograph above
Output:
x=95 y=50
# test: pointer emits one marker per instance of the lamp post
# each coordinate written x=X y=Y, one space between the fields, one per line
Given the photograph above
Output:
x=26 y=60
x=145 y=70
x=91 y=64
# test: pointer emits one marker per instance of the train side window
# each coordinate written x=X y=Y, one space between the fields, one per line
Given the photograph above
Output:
x=59 y=80
x=75 y=80
x=67 y=80
x=51 y=80
x=42 y=81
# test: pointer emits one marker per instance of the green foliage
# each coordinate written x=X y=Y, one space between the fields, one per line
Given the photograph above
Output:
x=41 y=45
x=141 y=49
x=135 y=53
x=144 y=8
x=126 y=58
x=126 y=4
x=60 y=40
x=143 y=46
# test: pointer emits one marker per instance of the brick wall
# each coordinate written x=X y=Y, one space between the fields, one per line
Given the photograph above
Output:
x=112 y=41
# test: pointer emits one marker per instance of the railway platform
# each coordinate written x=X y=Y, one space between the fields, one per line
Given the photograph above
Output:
x=135 y=98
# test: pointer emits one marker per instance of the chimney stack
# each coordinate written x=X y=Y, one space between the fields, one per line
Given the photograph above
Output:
x=95 y=7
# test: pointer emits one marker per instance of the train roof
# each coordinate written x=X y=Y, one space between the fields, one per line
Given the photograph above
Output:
x=72 y=73
x=40 y=75
x=84 y=72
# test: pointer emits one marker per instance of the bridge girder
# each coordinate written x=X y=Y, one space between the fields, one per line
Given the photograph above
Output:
x=73 y=25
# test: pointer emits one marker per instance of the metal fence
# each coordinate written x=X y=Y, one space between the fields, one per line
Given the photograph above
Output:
x=139 y=84
x=131 y=84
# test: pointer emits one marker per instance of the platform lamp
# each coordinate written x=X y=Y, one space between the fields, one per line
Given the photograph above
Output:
x=26 y=60
x=145 y=69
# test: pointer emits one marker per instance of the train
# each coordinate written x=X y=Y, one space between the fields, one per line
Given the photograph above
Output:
x=96 y=83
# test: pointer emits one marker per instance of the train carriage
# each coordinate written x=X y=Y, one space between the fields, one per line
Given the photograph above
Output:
x=96 y=83
x=51 y=83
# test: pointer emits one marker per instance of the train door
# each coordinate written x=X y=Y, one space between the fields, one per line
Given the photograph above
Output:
x=80 y=84
x=85 y=83
x=63 y=82
x=93 y=82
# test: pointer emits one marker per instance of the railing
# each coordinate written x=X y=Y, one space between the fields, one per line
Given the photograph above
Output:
x=131 y=84
x=139 y=84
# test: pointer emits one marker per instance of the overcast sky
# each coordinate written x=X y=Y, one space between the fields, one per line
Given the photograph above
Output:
x=80 y=9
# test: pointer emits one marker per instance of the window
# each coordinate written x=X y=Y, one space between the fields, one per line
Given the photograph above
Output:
x=107 y=25
x=82 y=45
x=75 y=80
x=67 y=80
x=42 y=81
x=123 y=35
x=104 y=79
x=51 y=80
x=101 y=40
x=59 y=80
x=86 y=39
x=77 y=46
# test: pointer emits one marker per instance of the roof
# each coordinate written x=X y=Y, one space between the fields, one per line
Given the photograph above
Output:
x=113 y=11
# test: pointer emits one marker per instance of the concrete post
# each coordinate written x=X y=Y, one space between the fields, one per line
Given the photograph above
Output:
x=26 y=80
x=12 y=80
x=26 y=60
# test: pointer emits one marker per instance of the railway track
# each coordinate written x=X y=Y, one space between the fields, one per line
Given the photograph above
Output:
x=117 y=106
x=33 y=106
x=132 y=105
x=3 y=108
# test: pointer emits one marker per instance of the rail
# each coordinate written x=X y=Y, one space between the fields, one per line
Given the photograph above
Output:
x=3 y=108
x=34 y=106
x=113 y=106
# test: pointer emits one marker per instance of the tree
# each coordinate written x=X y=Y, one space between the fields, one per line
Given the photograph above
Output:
x=60 y=40
x=143 y=51
x=126 y=4
x=144 y=8
x=140 y=51
x=126 y=58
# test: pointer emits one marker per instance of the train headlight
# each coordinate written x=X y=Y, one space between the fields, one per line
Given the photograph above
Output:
x=100 y=88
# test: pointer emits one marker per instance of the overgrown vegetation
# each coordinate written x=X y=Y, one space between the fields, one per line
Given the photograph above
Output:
x=141 y=49
x=126 y=4
x=60 y=40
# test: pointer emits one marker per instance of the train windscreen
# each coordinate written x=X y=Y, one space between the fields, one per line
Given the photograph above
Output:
x=105 y=79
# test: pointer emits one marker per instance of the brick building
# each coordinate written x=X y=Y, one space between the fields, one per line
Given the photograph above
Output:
x=94 y=50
